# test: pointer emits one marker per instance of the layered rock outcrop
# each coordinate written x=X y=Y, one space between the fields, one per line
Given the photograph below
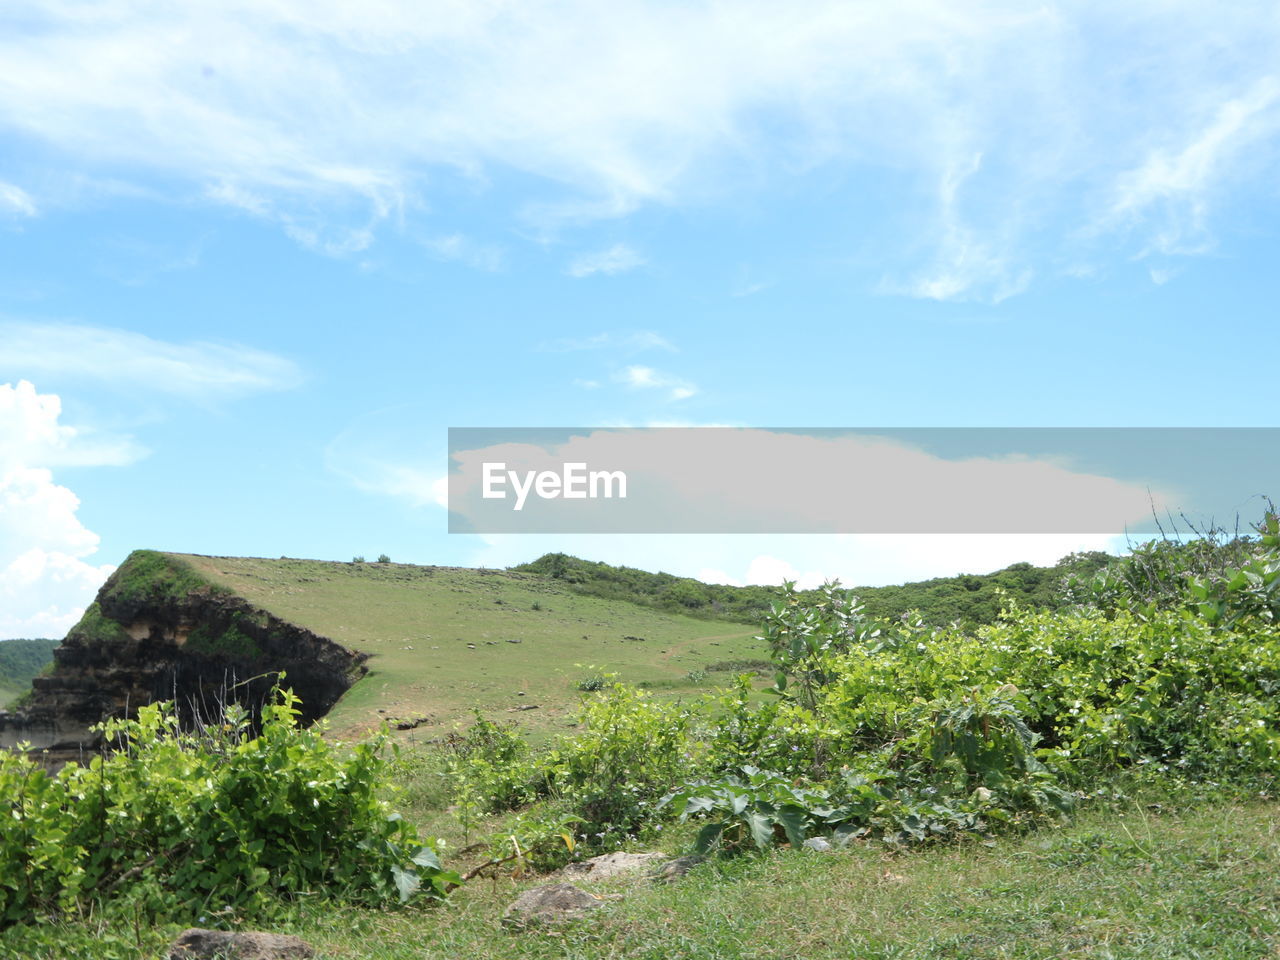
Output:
x=159 y=631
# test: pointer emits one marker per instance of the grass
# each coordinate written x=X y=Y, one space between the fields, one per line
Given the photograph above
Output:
x=1118 y=883
x=439 y=638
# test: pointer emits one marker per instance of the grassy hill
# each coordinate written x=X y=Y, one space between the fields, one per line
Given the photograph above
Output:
x=442 y=638
x=20 y=660
x=446 y=641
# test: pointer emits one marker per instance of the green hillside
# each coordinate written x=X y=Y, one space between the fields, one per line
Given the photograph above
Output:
x=442 y=639
x=967 y=599
x=20 y=660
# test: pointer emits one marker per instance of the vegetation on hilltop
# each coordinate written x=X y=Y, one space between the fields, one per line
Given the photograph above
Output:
x=968 y=599
x=149 y=576
x=20 y=662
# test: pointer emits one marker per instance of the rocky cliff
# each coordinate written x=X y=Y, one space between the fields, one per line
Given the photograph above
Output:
x=160 y=631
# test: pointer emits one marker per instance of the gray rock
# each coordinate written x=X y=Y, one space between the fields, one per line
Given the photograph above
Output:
x=548 y=904
x=610 y=865
x=674 y=869
x=196 y=944
x=818 y=845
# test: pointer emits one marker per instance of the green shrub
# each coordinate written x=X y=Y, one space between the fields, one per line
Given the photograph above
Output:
x=219 y=817
x=632 y=750
x=488 y=767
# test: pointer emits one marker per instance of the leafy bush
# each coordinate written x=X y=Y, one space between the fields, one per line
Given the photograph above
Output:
x=488 y=767
x=630 y=752
x=756 y=807
x=1219 y=578
x=219 y=817
x=903 y=732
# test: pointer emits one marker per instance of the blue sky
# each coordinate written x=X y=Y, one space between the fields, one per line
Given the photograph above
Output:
x=256 y=259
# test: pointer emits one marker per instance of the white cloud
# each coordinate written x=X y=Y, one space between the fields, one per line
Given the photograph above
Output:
x=646 y=378
x=199 y=370
x=45 y=579
x=15 y=200
x=632 y=342
x=333 y=120
x=31 y=434
x=1175 y=185
x=614 y=260
x=135 y=262
x=417 y=485
x=965 y=266
x=387 y=453
x=462 y=249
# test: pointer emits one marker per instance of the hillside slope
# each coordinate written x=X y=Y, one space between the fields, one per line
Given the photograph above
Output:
x=445 y=640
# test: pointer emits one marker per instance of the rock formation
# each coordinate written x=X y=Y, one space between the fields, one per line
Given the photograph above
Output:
x=159 y=631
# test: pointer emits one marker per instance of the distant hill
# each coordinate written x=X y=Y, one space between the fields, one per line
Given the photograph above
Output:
x=20 y=660
x=968 y=599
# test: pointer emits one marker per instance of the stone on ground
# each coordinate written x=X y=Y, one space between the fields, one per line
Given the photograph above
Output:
x=674 y=869
x=549 y=903
x=196 y=944
x=610 y=865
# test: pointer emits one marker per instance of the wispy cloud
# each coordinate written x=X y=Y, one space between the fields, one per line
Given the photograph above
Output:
x=334 y=123
x=646 y=378
x=134 y=262
x=616 y=259
x=626 y=342
x=965 y=265
x=200 y=370
x=462 y=249
x=15 y=200
x=748 y=283
x=1174 y=184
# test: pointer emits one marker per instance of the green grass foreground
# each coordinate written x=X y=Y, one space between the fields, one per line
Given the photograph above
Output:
x=1097 y=780
x=1130 y=880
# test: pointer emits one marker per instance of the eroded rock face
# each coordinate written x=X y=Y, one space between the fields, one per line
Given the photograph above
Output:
x=159 y=632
